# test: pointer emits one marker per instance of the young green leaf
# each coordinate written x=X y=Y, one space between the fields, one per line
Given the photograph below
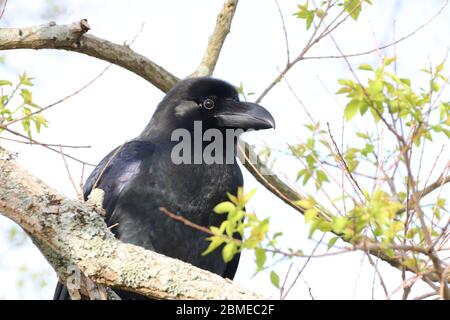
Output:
x=224 y=207
x=229 y=251
x=275 y=279
x=216 y=241
x=260 y=256
x=310 y=215
x=366 y=67
x=351 y=109
x=5 y=83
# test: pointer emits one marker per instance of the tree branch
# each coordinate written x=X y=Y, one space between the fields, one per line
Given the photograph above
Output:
x=217 y=39
x=73 y=37
x=71 y=233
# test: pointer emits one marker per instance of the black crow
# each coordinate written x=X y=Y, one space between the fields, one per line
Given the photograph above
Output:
x=151 y=171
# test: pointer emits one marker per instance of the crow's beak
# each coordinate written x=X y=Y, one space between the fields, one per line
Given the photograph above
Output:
x=244 y=115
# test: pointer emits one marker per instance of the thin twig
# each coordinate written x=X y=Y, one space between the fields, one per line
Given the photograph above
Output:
x=384 y=46
x=3 y=9
x=380 y=277
x=286 y=39
x=426 y=295
x=60 y=100
x=285 y=280
x=77 y=191
x=310 y=43
x=299 y=273
x=347 y=169
x=47 y=144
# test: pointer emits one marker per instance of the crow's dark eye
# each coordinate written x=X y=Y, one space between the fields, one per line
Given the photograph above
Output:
x=208 y=104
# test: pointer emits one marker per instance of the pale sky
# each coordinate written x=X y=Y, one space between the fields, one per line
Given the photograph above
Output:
x=117 y=106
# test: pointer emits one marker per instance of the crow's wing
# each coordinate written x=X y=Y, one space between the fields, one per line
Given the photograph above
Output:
x=111 y=175
x=116 y=170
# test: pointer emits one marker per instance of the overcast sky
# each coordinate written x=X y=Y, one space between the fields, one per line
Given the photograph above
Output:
x=117 y=106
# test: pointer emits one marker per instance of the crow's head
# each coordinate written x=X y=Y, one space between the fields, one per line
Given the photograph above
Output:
x=213 y=102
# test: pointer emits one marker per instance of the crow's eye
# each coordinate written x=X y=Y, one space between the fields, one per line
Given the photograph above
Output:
x=208 y=104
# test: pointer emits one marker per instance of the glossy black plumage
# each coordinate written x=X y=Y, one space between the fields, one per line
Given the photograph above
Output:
x=140 y=176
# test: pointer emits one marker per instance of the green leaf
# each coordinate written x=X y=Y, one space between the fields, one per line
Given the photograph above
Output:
x=362 y=135
x=260 y=256
x=301 y=173
x=27 y=96
x=309 y=19
x=249 y=195
x=332 y=242
x=364 y=108
x=435 y=86
x=216 y=241
x=306 y=14
x=306 y=177
x=353 y=7
x=305 y=203
x=26 y=127
x=440 y=67
x=275 y=279
x=351 y=109
x=401 y=196
x=224 y=207
x=441 y=203
x=40 y=121
x=321 y=176
x=320 y=13
x=344 y=90
x=232 y=198
x=387 y=61
x=310 y=215
x=229 y=251
x=25 y=80
x=5 y=83
x=406 y=81
x=319 y=224
x=339 y=223
x=366 y=67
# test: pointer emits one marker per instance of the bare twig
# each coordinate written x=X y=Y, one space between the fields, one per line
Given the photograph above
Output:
x=310 y=43
x=426 y=295
x=299 y=273
x=3 y=8
x=60 y=100
x=437 y=184
x=47 y=144
x=380 y=277
x=285 y=280
x=347 y=169
x=77 y=191
x=33 y=141
x=188 y=222
x=286 y=39
x=409 y=35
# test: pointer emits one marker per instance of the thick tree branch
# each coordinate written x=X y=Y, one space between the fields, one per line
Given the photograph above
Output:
x=73 y=37
x=217 y=38
x=70 y=233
